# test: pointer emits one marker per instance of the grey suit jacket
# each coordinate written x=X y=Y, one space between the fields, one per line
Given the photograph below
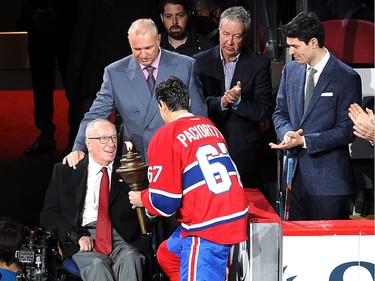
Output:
x=325 y=165
x=124 y=88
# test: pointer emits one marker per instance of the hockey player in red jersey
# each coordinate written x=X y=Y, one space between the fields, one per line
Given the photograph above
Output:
x=192 y=176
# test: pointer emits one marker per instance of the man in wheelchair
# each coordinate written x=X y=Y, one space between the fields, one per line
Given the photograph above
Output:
x=73 y=208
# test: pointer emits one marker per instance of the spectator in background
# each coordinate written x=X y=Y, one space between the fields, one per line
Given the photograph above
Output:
x=207 y=8
x=179 y=35
x=11 y=239
x=49 y=25
x=237 y=87
x=99 y=38
x=206 y=18
x=312 y=123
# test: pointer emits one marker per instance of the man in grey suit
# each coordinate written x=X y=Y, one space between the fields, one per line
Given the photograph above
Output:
x=313 y=125
x=125 y=88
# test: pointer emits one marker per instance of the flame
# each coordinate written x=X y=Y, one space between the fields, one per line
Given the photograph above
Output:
x=129 y=145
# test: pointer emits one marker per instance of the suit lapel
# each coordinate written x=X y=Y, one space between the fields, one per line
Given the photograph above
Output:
x=241 y=68
x=140 y=89
x=138 y=82
x=117 y=182
x=217 y=64
x=165 y=70
x=322 y=84
x=298 y=91
x=80 y=180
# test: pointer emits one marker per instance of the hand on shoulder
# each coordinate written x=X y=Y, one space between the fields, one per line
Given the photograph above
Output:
x=73 y=158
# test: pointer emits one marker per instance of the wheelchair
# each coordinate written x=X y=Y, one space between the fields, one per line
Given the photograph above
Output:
x=68 y=270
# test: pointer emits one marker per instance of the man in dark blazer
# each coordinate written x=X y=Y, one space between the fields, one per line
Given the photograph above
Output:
x=71 y=209
x=316 y=130
x=238 y=91
x=125 y=88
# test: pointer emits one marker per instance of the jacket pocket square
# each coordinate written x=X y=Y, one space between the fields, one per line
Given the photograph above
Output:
x=328 y=94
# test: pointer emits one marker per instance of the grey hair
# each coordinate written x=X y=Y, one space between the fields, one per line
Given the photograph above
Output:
x=92 y=124
x=238 y=14
x=142 y=26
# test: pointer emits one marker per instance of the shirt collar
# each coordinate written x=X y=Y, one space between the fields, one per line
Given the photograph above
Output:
x=232 y=60
x=188 y=114
x=96 y=168
x=320 y=65
x=155 y=62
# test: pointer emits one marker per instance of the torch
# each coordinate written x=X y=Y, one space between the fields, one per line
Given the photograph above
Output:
x=134 y=172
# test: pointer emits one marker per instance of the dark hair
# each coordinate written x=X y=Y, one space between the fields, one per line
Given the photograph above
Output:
x=174 y=93
x=183 y=3
x=12 y=235
x=304 y=27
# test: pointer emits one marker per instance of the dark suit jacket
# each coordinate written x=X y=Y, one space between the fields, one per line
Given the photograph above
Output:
x=125 y=88
x=240 y=127
x=325 y=164
x=64 y=201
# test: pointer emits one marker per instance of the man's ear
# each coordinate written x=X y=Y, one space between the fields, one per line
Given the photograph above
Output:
x=88 y=144
x=314 y=42
x=163 y=106
x=158 y=38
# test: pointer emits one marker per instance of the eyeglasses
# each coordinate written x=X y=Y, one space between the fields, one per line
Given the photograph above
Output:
x=104 y=140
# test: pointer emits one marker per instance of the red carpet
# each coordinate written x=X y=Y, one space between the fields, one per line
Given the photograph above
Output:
x=17 y=125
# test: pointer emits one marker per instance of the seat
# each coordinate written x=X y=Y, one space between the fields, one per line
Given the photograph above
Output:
x=69 y=271
x=350 y=40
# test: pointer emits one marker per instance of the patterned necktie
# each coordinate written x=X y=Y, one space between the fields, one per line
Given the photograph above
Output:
x=309 y=86
x=103 y=243
x=150 y=78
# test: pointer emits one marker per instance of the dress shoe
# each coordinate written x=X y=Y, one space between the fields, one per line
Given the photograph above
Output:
x=41 y=146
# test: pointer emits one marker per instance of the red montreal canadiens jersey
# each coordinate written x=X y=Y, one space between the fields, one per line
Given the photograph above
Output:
x=191 y=174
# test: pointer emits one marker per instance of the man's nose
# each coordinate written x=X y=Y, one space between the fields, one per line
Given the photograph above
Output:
x=143 y=53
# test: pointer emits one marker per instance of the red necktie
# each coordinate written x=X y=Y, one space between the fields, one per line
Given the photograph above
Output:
x=103 y=242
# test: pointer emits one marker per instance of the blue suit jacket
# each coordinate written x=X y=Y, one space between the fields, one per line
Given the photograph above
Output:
x=325 y=165
x=125 y=88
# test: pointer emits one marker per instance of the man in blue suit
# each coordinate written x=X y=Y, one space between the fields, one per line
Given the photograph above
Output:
x=315 y=129
x=125 y=88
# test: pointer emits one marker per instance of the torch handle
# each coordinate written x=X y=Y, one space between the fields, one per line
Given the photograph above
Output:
x=142 y=220
x=140 y=211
